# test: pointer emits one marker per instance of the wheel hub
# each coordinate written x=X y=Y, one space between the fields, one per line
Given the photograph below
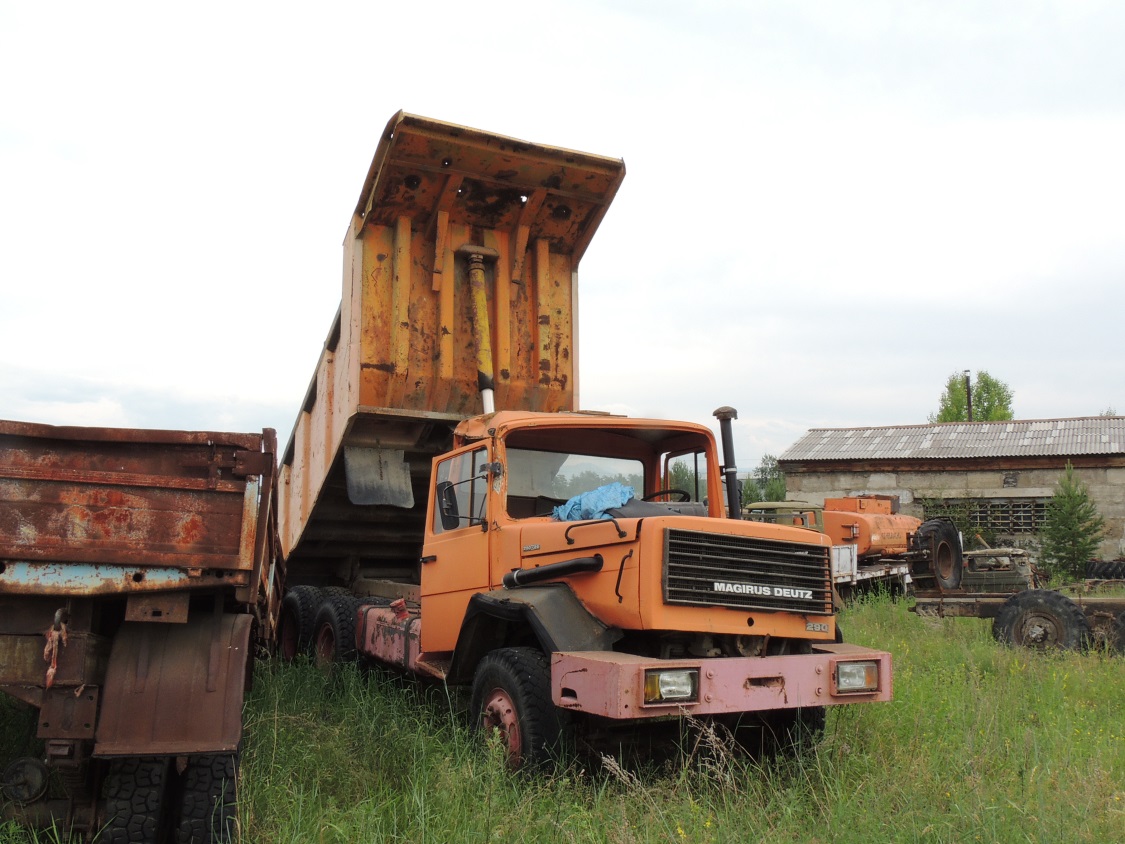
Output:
x=499 y=714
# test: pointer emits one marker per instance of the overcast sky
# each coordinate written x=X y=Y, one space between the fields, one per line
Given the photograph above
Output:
x=829 y=207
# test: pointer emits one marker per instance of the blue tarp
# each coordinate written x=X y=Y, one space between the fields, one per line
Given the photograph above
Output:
x=593 y=504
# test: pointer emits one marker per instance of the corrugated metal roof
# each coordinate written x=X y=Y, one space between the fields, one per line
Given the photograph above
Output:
x=1029 y=438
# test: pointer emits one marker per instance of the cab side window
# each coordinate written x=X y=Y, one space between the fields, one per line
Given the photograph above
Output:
x=462 y=487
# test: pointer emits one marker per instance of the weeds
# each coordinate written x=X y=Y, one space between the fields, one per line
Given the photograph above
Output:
x=981 y=743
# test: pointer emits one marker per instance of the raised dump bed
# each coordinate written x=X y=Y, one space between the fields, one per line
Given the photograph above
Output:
x=421 y=339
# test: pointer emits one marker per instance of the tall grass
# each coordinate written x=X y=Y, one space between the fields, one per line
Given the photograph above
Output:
x=981 y=743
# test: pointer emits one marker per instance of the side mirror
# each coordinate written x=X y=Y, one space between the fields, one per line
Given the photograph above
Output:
x=447 y=506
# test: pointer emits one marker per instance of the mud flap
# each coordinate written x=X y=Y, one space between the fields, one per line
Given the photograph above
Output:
x=175 y=689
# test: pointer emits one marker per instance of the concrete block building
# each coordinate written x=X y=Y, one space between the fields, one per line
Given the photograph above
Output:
x=1000 y=473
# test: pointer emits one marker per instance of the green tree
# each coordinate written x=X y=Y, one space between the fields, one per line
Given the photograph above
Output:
x=766 y=482
x=1109 y=411
x=992 y=400
x=682 y=476
x=1072 y=529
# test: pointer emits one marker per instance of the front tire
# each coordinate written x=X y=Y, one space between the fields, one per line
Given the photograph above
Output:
x=512 y=696
x=1041 y=620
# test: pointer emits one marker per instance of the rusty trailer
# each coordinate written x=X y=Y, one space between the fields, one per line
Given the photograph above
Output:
x=137 y=575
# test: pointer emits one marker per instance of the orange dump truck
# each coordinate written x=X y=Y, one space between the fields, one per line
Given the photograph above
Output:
x=444 y=508
x=136 y=579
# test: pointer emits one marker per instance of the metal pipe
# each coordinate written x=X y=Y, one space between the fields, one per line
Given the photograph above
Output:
x=579 y=565
x=730 y=469
x=968 y=396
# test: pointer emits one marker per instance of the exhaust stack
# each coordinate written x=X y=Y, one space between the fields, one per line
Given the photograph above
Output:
x=730 y=469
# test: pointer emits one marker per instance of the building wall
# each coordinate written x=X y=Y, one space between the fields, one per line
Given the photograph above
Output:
x=1013 y=496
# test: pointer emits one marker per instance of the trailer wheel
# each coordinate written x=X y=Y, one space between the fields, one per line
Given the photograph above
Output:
x=1105 y=570
x=334 y=629
x=512 y=696
x=1042 y=620
x=208 y=800
x=135 y=790
x=295 y=621
x=939 y=539
x=1107 y=631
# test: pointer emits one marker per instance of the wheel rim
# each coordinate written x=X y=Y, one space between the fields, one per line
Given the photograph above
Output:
x=1039 y=629
x=499 y=714
x=287 y=638
x=943 y=560
x=325 y=645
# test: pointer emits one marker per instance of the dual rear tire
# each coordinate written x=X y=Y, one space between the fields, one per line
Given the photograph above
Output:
x=147 y=803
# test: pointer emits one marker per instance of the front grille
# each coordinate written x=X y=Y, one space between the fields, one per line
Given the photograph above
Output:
x=719 y=570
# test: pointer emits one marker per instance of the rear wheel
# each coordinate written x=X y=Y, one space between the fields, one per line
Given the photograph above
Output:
x=208 y=800
x=512 y=696
x=334 y=629
x=1042 y=620
x=295 y=621
x=135 y=791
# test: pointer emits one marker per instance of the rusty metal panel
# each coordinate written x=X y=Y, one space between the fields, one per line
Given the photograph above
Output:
x=175 y=689
x=97 y=497
x=166 y=607
x=68 y=713
x=403 y=361
x=80 y=661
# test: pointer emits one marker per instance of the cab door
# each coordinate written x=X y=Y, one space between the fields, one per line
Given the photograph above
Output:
x=455 y=561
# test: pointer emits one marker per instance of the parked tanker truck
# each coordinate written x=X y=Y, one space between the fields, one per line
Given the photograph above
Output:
x=874 y=544
x=137 y=575
x=446 y=509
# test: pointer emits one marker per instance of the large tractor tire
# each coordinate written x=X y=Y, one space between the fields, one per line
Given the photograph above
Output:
x=939 y=540
x=208 y=800
x=135 y=801
x=1041 y=620
x=1105 y=570
x=512 y=696
x=334 y=629
x=295 y=621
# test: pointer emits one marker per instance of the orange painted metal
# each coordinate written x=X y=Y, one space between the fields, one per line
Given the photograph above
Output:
x=870 y=524
x=400 y=365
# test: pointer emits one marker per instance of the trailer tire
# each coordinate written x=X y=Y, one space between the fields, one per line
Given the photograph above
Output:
x=1105 y=570
x=135 y=800
x=940 y=540
x=512 y=696
x=208 y=800
x=1041 y=620
x=295 y=621
x=334 y=629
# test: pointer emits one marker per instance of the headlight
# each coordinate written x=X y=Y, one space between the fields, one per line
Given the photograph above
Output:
x=672 y=686
x=857 y=676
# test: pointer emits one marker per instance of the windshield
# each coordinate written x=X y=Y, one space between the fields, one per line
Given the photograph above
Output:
x=551 y=474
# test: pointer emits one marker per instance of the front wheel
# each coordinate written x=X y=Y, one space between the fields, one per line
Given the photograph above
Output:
x=1041 y=620
x=512 y=696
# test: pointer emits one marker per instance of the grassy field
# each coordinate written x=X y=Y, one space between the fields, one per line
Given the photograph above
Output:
x=982 y=743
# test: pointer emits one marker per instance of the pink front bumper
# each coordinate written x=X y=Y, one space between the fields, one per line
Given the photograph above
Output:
x=612 y=684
